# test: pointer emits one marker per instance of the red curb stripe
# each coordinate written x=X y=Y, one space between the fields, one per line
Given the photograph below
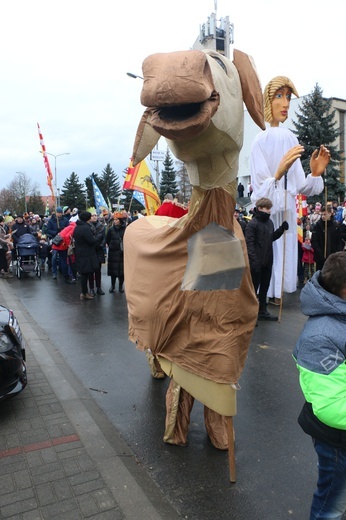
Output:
x=9 y=453
x=65 y=440
x=39 y=446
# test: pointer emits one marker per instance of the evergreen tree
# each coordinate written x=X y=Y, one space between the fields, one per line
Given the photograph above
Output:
x=90 y=190
x=183 y=181
x=315 y=126
x=168 y=182
x=73 y=193
x=109 y=185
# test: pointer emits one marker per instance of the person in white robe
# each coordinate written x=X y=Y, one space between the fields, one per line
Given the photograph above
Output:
x=277 y=174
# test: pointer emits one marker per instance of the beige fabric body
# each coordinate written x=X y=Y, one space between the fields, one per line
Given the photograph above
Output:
x=205 y=332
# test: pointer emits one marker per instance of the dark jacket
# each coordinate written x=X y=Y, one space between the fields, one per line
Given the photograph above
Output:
x=114 y=240
x=318 y=241
x=85 y=248
x=259 y=236
x=54 y=225
x=19 y=229
x=100 y=234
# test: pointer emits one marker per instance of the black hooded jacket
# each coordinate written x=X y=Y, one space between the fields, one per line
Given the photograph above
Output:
x=259 y=236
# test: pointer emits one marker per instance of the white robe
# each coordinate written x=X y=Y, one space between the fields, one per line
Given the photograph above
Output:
x=267 y=151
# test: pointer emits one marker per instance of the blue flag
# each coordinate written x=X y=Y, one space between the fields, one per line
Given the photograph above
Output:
x=139 y=196
x=100 y=202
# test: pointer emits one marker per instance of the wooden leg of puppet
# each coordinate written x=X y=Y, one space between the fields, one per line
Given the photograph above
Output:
x=155 y=367
x=179 y=404
x=216 y=426
x=231 y=452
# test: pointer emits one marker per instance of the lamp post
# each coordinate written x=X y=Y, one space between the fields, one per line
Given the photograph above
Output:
x=134 y=75
x=57 y=191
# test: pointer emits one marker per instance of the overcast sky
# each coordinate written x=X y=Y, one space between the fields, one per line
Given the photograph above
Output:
x=64 y=64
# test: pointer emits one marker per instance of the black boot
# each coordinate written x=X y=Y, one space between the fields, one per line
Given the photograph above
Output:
x=111 y=289
x=266 y=316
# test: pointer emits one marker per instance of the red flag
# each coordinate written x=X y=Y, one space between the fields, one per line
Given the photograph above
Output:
x=46 y=163
x=139 y=178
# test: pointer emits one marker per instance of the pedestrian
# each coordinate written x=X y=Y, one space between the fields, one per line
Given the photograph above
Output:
x=308 y=259
x=55 y=224
x=320 y=355
x=98 y=229
x=240 y=190
x=43 y=251
x=114 y=241
x=5 y=245
x=325 y=238
x=259 y=236
x=277 y=174
x=240 y=220
x=85 y=252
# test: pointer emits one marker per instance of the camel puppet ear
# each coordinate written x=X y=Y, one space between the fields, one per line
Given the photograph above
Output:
x=251 y=86
x=146 y=138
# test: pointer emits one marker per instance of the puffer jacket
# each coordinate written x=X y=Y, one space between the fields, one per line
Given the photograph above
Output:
x=320 y=354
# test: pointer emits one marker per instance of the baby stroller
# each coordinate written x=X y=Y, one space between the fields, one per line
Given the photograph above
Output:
x=27 y=255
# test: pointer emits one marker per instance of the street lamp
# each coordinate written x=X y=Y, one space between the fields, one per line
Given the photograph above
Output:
x=134 y=75
x=57 y=191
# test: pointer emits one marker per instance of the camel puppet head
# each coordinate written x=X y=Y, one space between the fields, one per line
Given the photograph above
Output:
x=195 y=100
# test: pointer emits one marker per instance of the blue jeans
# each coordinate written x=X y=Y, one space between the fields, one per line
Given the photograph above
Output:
x=329 y=500
x=59 y=257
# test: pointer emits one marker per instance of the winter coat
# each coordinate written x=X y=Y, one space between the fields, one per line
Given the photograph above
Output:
x=85 y=248
x=318 y=240
x=54 y=225
x=259 y=236
x=114 y=240
x=19 y=229
x=320 y=354
x=66 y=234
x=100 y=235
x=308 y=254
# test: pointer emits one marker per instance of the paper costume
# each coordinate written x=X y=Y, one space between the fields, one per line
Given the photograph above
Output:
x=188 y=285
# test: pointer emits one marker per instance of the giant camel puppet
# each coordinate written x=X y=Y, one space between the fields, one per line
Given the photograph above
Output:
x=190 y=297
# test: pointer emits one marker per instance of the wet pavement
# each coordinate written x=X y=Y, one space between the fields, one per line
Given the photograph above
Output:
x=276 y=465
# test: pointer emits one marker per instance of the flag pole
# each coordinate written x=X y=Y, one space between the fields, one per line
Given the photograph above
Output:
x=131 y=202
x=326 y=210
x=283 y=253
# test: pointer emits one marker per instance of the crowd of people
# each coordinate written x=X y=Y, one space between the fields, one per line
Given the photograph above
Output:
x=72 y=244
x=321 y=232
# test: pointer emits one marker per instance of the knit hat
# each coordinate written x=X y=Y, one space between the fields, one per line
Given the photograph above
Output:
x=85 y=216
x=59 y=209
x=118 y=214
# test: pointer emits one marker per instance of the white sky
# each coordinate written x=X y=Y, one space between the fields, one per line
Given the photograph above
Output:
x=64 y=64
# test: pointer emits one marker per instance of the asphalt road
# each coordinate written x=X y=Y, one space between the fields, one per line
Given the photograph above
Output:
x=276 y=464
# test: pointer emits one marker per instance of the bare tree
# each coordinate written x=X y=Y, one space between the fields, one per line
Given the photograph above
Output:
x=15 y=196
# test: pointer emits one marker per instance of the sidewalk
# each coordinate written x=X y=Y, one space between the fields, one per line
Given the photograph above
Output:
x=60 y=457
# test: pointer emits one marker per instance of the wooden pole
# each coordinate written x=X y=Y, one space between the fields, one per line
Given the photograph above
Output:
x=326 y=221
x=283 y=253
x=231 y=452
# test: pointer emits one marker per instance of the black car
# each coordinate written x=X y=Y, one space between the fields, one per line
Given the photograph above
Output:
x=13 y=377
